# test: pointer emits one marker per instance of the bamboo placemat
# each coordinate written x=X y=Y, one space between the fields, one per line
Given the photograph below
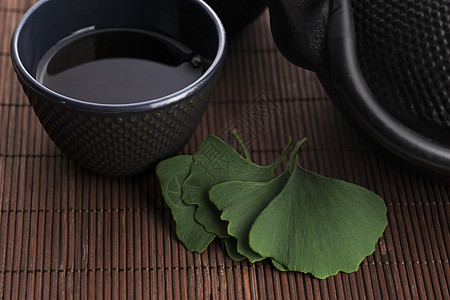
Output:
x=68 y=233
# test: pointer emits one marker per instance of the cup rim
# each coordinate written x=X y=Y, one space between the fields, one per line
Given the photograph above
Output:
x=177 y=96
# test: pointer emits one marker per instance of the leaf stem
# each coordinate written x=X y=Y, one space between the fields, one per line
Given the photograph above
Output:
x=282 y=156
x=241 y=143
x=294 y=153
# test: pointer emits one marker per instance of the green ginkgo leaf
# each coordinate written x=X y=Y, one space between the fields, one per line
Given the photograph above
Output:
x=240 y=203
x=279 y=266
x=231 y=247
x=319 y=225
x=216 y=162
x=172 y=173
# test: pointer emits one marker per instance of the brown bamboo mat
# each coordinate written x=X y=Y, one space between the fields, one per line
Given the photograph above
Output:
x=68 y=233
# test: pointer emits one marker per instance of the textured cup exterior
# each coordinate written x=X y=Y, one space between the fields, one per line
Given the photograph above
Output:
x=119 y=144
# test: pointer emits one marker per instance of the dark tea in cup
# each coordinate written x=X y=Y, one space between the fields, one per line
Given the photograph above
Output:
x=119 y=66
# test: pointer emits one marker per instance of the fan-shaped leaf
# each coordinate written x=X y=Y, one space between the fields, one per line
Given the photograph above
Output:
x=231 y=247
x=240 y=203
x=216 y=162
x=319 y=225
x=172 y=173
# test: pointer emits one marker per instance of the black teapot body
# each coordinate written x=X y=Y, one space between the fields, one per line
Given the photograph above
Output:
x=385 y=67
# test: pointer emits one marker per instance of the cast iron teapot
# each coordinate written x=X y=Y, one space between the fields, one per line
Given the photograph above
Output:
x=384 y=63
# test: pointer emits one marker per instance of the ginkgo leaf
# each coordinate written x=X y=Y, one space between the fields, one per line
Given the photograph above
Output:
x=279 y=266
x=231 y=247
x=216 y=162
x=319 y=225
x=240 y=203
x=172 y=173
